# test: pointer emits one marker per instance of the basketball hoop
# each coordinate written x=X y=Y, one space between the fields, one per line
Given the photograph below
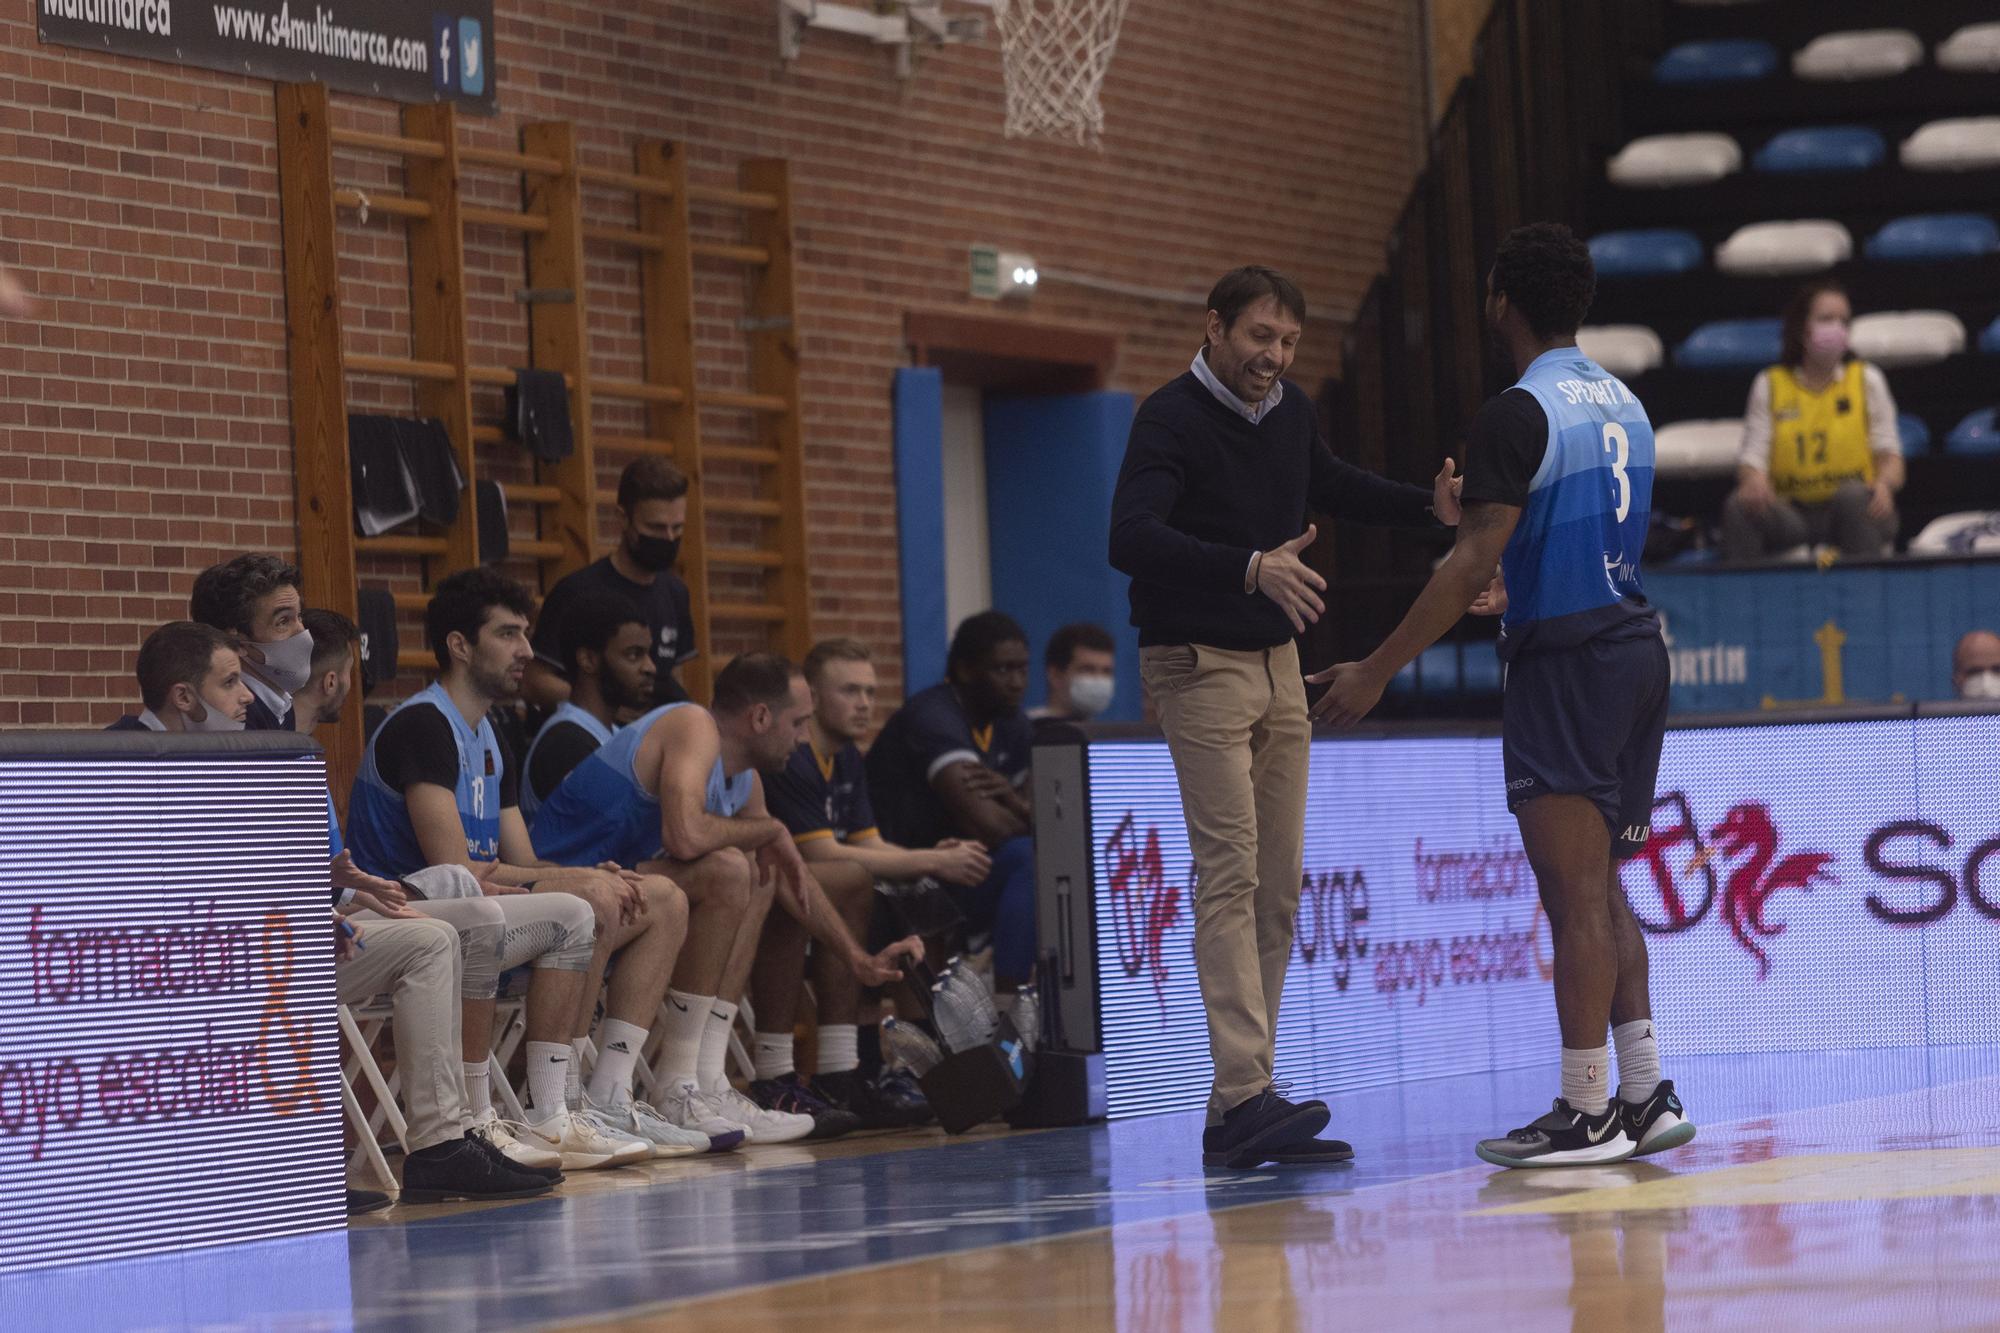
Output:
x=1056 y=53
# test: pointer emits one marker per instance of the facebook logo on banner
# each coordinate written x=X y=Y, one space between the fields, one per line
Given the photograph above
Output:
x=445 y=58
x=471 y=58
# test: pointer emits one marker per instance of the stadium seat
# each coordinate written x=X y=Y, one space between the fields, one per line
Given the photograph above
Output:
x=1626 y=350
x=1662 y=160
x=1968 y=532
x=1649 y=253
x=1770 y=249
x=1979 y=433
x=1824 y=148
x=1728 y=60
x=1967 y=143
x=1989 y=341
x=1730 y=344
x=1914 y=434
x=1935 y=236
x=1907 y=337
x=1973 y=49
x=1871 y=53
x=1698 y=448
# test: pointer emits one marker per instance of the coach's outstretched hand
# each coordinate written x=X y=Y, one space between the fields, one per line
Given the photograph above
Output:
x=1444 y=493
x=1290 y=582
x=1353 y=691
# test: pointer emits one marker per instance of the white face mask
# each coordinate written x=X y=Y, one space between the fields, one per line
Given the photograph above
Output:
x=288 y=662
x=1982 y=684
x=1091 y=695
x=212 y=719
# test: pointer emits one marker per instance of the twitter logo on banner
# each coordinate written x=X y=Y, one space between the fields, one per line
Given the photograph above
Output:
x=471 y=58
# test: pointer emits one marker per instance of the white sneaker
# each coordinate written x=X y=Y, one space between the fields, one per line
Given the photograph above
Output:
x=513 y=1141
x=763 y=1126
x=635 y=1119
x=585 y=1144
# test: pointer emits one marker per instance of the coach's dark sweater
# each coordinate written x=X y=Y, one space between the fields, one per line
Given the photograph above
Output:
x=1203 y=489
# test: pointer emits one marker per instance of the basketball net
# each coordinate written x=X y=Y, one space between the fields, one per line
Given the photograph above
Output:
x=1056 y=53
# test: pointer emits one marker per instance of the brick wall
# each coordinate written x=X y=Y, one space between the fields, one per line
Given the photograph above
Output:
x=144 y=426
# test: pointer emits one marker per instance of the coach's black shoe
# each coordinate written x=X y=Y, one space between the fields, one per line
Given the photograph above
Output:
x=876 y=1103
x=1563 y=1137
x=1313 y=1152
x=1252 y=1130
x=1658 y=1123
x=792 y=1095
x=366 y=1201
x=465 y=1169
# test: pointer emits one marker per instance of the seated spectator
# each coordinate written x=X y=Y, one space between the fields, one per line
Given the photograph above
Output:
x=652 y=495
x=607 y=657
x=190 y=679
x=256 y=598
x=1821 y=461
x=952 y=763
x=438 y=788
x=821 y=795
x=678 y=792
x=1081 y=668
x=1975 y=666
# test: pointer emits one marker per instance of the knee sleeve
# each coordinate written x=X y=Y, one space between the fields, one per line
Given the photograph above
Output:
x=553 y=930
x=481 y=927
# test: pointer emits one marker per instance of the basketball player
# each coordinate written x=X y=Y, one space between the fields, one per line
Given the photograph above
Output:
x=1558 y=489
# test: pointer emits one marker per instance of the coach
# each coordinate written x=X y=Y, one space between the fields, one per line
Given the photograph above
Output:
x=1209 y=519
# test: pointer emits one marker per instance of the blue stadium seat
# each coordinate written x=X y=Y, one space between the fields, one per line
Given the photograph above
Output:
x=1935 y=236
x=1915 y=435
x=1831 y=148
x=1977 y=434
x=1649 y=253
x=1729 y=60
x=1730 y=344
x=1989 y=341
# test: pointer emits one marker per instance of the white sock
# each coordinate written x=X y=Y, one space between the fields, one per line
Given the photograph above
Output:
x=680 y=1047
x=478 y=1087
x=1585 y=1079
x=774 y=1054
x=1638 y=1060
x=573 y=1085
x=839 y=1048
x=548 y=1070
x=709 y=1073
x=611 y=1080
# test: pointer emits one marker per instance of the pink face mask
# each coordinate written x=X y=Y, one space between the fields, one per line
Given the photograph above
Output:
x=1829 y=339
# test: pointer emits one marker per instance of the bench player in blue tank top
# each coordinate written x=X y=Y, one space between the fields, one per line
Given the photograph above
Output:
x=1558 y=492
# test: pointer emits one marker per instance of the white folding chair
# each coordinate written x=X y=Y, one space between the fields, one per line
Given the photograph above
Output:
x=361 y=1060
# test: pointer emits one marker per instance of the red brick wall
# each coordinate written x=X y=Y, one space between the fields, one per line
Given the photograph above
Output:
x=144 y=424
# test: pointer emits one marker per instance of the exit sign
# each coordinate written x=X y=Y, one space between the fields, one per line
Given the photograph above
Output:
x=984 y=270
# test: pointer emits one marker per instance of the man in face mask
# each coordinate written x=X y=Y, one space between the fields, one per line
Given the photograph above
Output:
x=1081 y=667
x=1975 y=666
x=652 y=494
x=256 y=598
x=190 y=679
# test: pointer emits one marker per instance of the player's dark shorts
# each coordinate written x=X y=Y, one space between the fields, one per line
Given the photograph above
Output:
x=1589 y=721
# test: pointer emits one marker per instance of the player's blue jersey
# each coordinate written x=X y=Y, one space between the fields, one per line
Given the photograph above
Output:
x=380 y=834
x=1572 y=565
x=566 y=712
x=603 y=813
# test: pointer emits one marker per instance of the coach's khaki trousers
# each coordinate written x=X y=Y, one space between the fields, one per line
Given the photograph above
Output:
x=1237 y=728
x=415 y=963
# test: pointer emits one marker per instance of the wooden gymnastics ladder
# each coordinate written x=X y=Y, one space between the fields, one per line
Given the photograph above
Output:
x=770 y=494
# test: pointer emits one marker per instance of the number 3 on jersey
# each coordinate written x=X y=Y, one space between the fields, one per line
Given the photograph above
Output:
x=1619 y=445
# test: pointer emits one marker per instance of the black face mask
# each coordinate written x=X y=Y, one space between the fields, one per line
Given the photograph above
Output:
x=657 y=554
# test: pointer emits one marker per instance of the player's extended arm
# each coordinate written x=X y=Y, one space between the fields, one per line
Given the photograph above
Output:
x=1356 y=687
x=975 y=798
x=688 y=832
x=441 y=835
x=953 y=861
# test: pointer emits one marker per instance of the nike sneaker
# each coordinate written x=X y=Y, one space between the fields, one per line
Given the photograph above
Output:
x=1563 y=1137
x=1658 y=1123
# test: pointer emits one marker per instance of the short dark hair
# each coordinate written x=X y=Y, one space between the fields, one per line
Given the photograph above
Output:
x=1798 y=311
x=462 y=602
x=980 y=635
x=1546 y=273
x=751 y=679
x=226 y=595
x=834 y=650
x=591 y=622
x=1065 y=641
x=650 y=478
x=179 y=652
x=1241 y=288
x=334 y=636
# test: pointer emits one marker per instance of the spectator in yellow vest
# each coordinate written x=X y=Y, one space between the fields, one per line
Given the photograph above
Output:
x=1821 y=462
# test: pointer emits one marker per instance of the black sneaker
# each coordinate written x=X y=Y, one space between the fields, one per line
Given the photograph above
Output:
x=1563 y=1137
x=1313 y=1152
x=1658 y=1123
x=366 y=1201
x=1252 y=1130
x=794 y=1096
x=878 y=1103
x=465 y=1169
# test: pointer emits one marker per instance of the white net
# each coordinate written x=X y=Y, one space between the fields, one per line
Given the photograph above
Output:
x=1056 y=53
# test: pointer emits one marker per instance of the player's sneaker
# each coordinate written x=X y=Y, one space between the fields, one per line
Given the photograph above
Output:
x=585 y=1143
x=879 y=1103
x=1563 y=1137
x=1658 y=1123
x=637 y=1120
x=794 y=1096
x=682 y=1103
x=763 y=1126
x=512 y=1141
